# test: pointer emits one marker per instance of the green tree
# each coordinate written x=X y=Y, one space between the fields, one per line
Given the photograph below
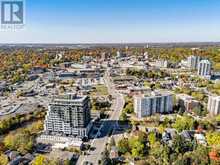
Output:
x=213 y=138
x=152 y=138
x=123 y=146
x=21 y=142
x=35 y=127
x=26 y=67
x=198 y=95
x=142 y=137
x=40 y=160
x=137 y=148
x=197 y=111
x=160 y=153
x=129 y=108
x=183 y=123
x=124 y=116
x=3 y=159
x=200 y=155
x=67 y=162
x=182 y=160
x=180 y=145
x=142 y=162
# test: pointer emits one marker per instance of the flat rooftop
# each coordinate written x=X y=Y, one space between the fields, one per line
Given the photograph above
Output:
x=216 y=97
x=72 y=97
x=154 y=94
x=184 y=96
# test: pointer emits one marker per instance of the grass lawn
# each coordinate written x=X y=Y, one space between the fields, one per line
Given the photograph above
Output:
x=147 y=84
x=101 y=90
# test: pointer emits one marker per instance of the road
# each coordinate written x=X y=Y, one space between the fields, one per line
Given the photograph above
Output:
x=101 y=139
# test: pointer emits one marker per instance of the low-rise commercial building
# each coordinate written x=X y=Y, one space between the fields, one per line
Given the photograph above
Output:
x=138 y=90
x=186 y=102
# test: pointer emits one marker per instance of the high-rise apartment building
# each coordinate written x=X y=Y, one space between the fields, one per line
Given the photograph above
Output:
x=162 y=63
x=204 y=68
x=214 y=105
x=193 y=62
x=68 y=115
x=154 y=102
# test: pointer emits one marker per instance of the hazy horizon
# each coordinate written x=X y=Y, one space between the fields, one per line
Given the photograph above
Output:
x=114 y=21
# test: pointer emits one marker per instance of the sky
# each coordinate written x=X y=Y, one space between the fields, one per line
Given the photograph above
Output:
x=117 y=21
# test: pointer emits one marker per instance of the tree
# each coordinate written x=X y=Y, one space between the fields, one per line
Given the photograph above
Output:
x=21 y=142
x=207 y=125
x=180 y=145
x=200 y=155
x=137 y=148
x=3 y=159
x=123 y=146
x=26 y=67
x=160 y=153
x=66 y=162
x=142 y=137
x=40 y=160
x=157 y=86
x=161 y=128
x=214 y=156
x=198 y=96
x=9 y=141
x=2 y=147
x=129 y=108
x=166 y=122
x=142 y=162
x=181 y=160
x=199 y=111
x=11 y=123
x=124 y=116
x=152 y=138
x=213 y=138
x=183 y=123
x=35 y=127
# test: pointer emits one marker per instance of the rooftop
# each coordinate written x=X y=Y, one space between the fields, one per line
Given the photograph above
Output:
x=70 y=97
x=155 y=94
x=184 y=96
x=216 y=97
x=205 y=61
